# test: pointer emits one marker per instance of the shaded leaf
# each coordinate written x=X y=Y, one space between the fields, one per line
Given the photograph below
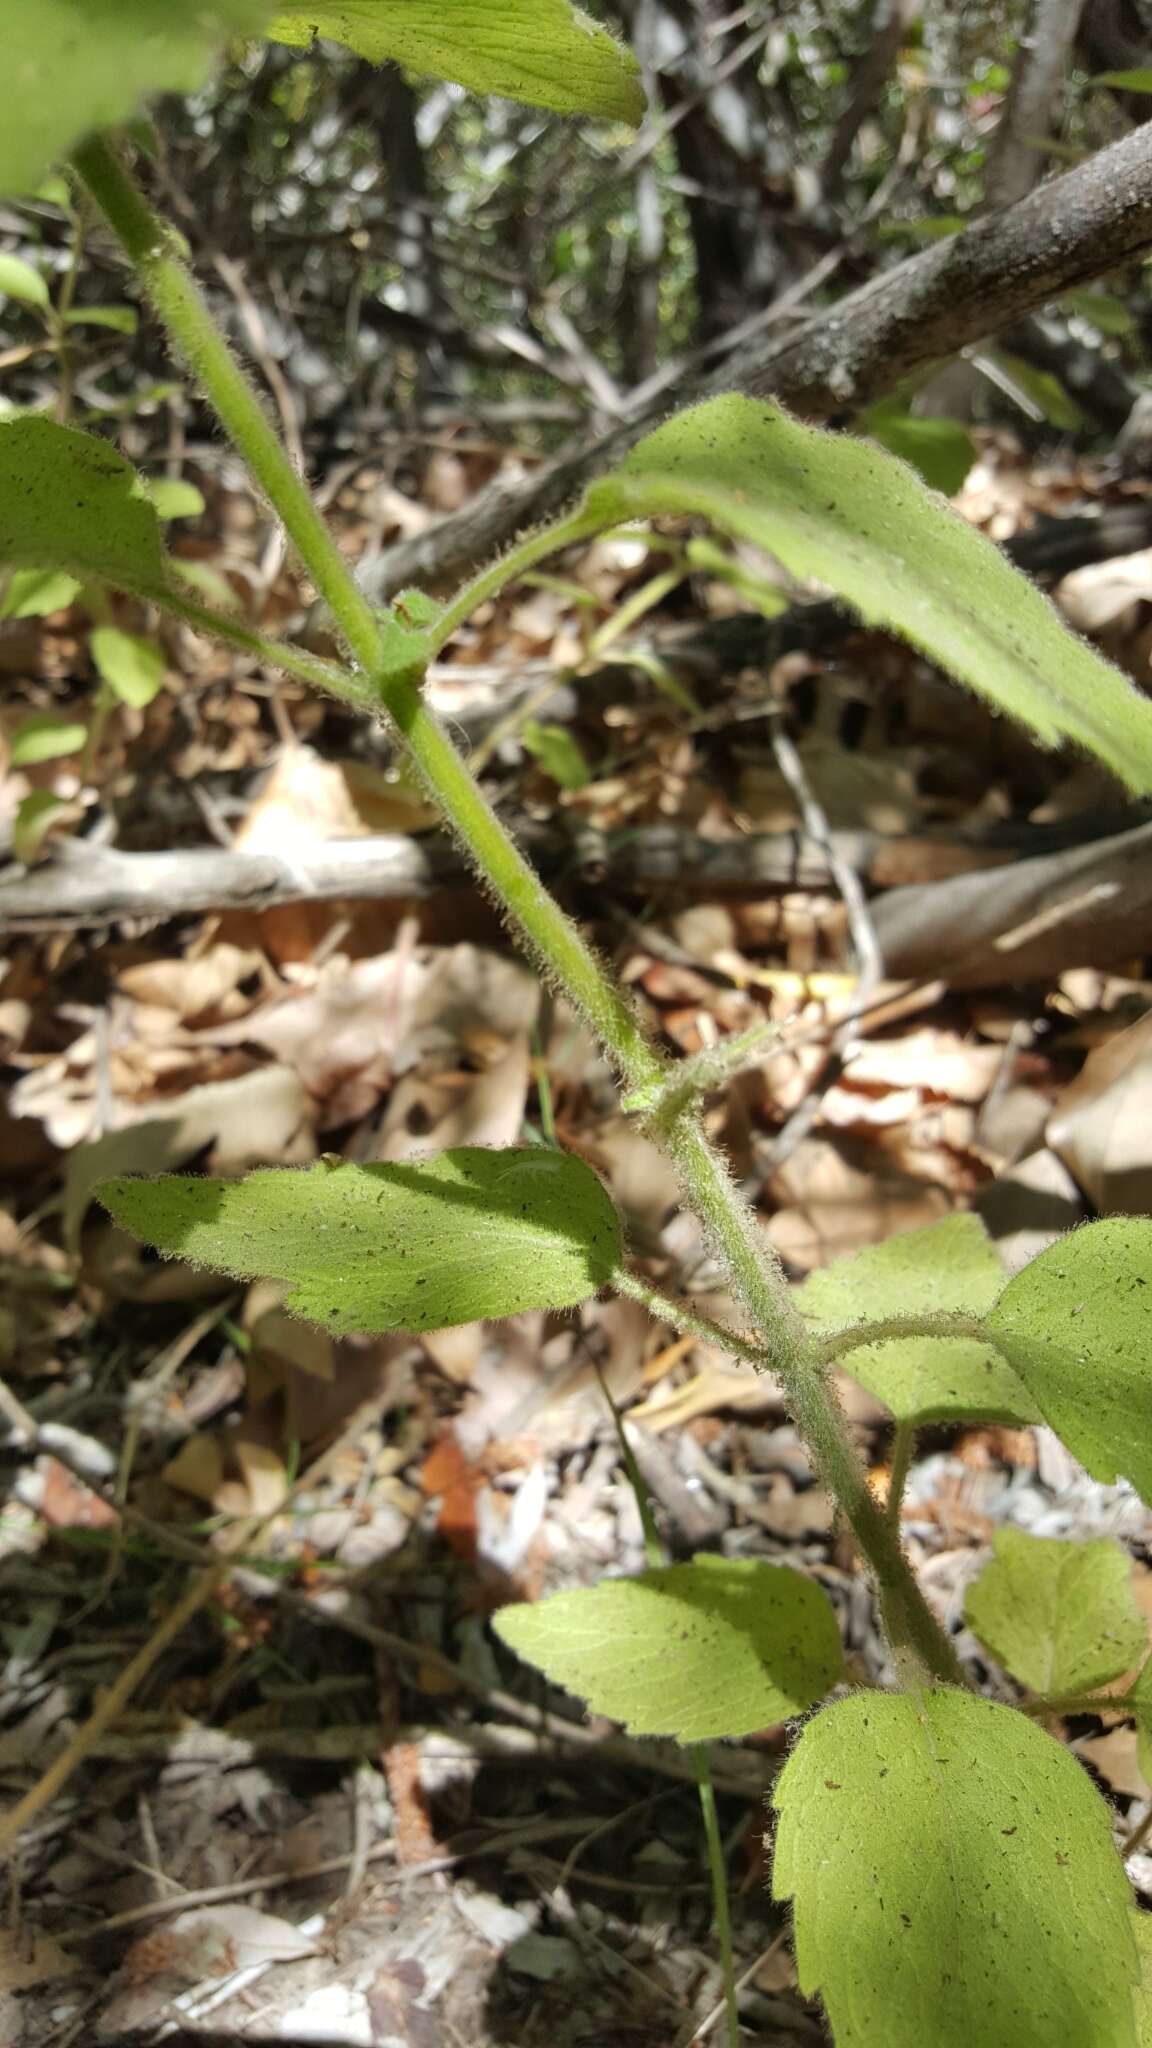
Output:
x=69 y=501
x=19 y=281
x=721 y=1646
x=941 y=1379
x=546 y=52
x=1042 y=390
x=1108 y=314
x=1061 y=1617
x=559 y=754
x=120 y=319
x=948 y=1265
x=954 y=1880
x=941 y=450
x=467 y=1234
x=36 y=814
x=848 y=513
x=1138 y=80
x=34 y=593
x=46 y=736
x=1076 y=1325
x=132 y=667
x=74 y=66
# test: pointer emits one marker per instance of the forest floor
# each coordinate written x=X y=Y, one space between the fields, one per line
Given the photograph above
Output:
x=336 y=1810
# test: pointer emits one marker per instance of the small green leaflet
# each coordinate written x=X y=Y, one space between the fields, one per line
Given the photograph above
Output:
x=721 y=1646
x=1139 y=80
x=1076 y=1325
x=948 y=1265
x=19 y=281
x=132 y=667
x=174 y=498
x=558 y=752
x=35 y=593
x=466 y=1234
x=1061 y=1617
x=954 y=1880
x=74 y=66
x=69 y=501
x=36 y=814
x=546 y=52
x=848 y=513
x=46 y=736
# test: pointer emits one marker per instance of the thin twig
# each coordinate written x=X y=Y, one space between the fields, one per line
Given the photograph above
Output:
x=869 y=959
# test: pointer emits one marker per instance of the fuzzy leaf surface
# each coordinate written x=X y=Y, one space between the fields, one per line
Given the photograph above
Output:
x=721 y=1646
x=953 y=1879
x=545 y=52
x=948 y=1265
x=1061 y=1617
x=74 y=66
x=859 y=520
x=467 y=1234
x=70 y=501
x=1076 y=1325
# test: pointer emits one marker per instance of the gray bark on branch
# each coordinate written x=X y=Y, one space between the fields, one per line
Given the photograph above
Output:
x=1073 y=229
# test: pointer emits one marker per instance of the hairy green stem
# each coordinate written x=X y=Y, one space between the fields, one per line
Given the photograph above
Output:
x=680 y=1315
x=935 y=1323
x=490 y=581
x=327 y=676
x=754 y=1271
x=718 y=1874
x=903 y=1450
x=156 y=251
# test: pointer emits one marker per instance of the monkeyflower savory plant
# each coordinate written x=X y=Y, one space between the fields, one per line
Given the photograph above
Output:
x=949 y=1864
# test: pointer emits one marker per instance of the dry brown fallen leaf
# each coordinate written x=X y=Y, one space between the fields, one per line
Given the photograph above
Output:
x=1101 y=1126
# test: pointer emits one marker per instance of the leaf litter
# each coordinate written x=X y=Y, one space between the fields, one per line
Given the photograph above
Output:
x=336 y=1795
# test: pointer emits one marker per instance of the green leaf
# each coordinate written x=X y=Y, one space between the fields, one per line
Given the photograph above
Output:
x=19 y=281
x=1076 y=1325
x=941 y=450
x=941 y=1379
x=1142 y=1930
x=1043 y=390
x=546 y=52
x=73 y=66
x=36 y=814
x=560 y=756
x=1108 y=314
x=36 y=593
x=859 y=520
x=721 y=1646
x=954 y=1880
x=174 y=498
x=133 y=668
x=1138 y=1702
x=933 y=227
x=71 y=501
x=948 y=1265
x=121 y=319
x=47 y=736
x=1139 y=80
x=467 y=1234
x=207 y=582
x=1061 y=1617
